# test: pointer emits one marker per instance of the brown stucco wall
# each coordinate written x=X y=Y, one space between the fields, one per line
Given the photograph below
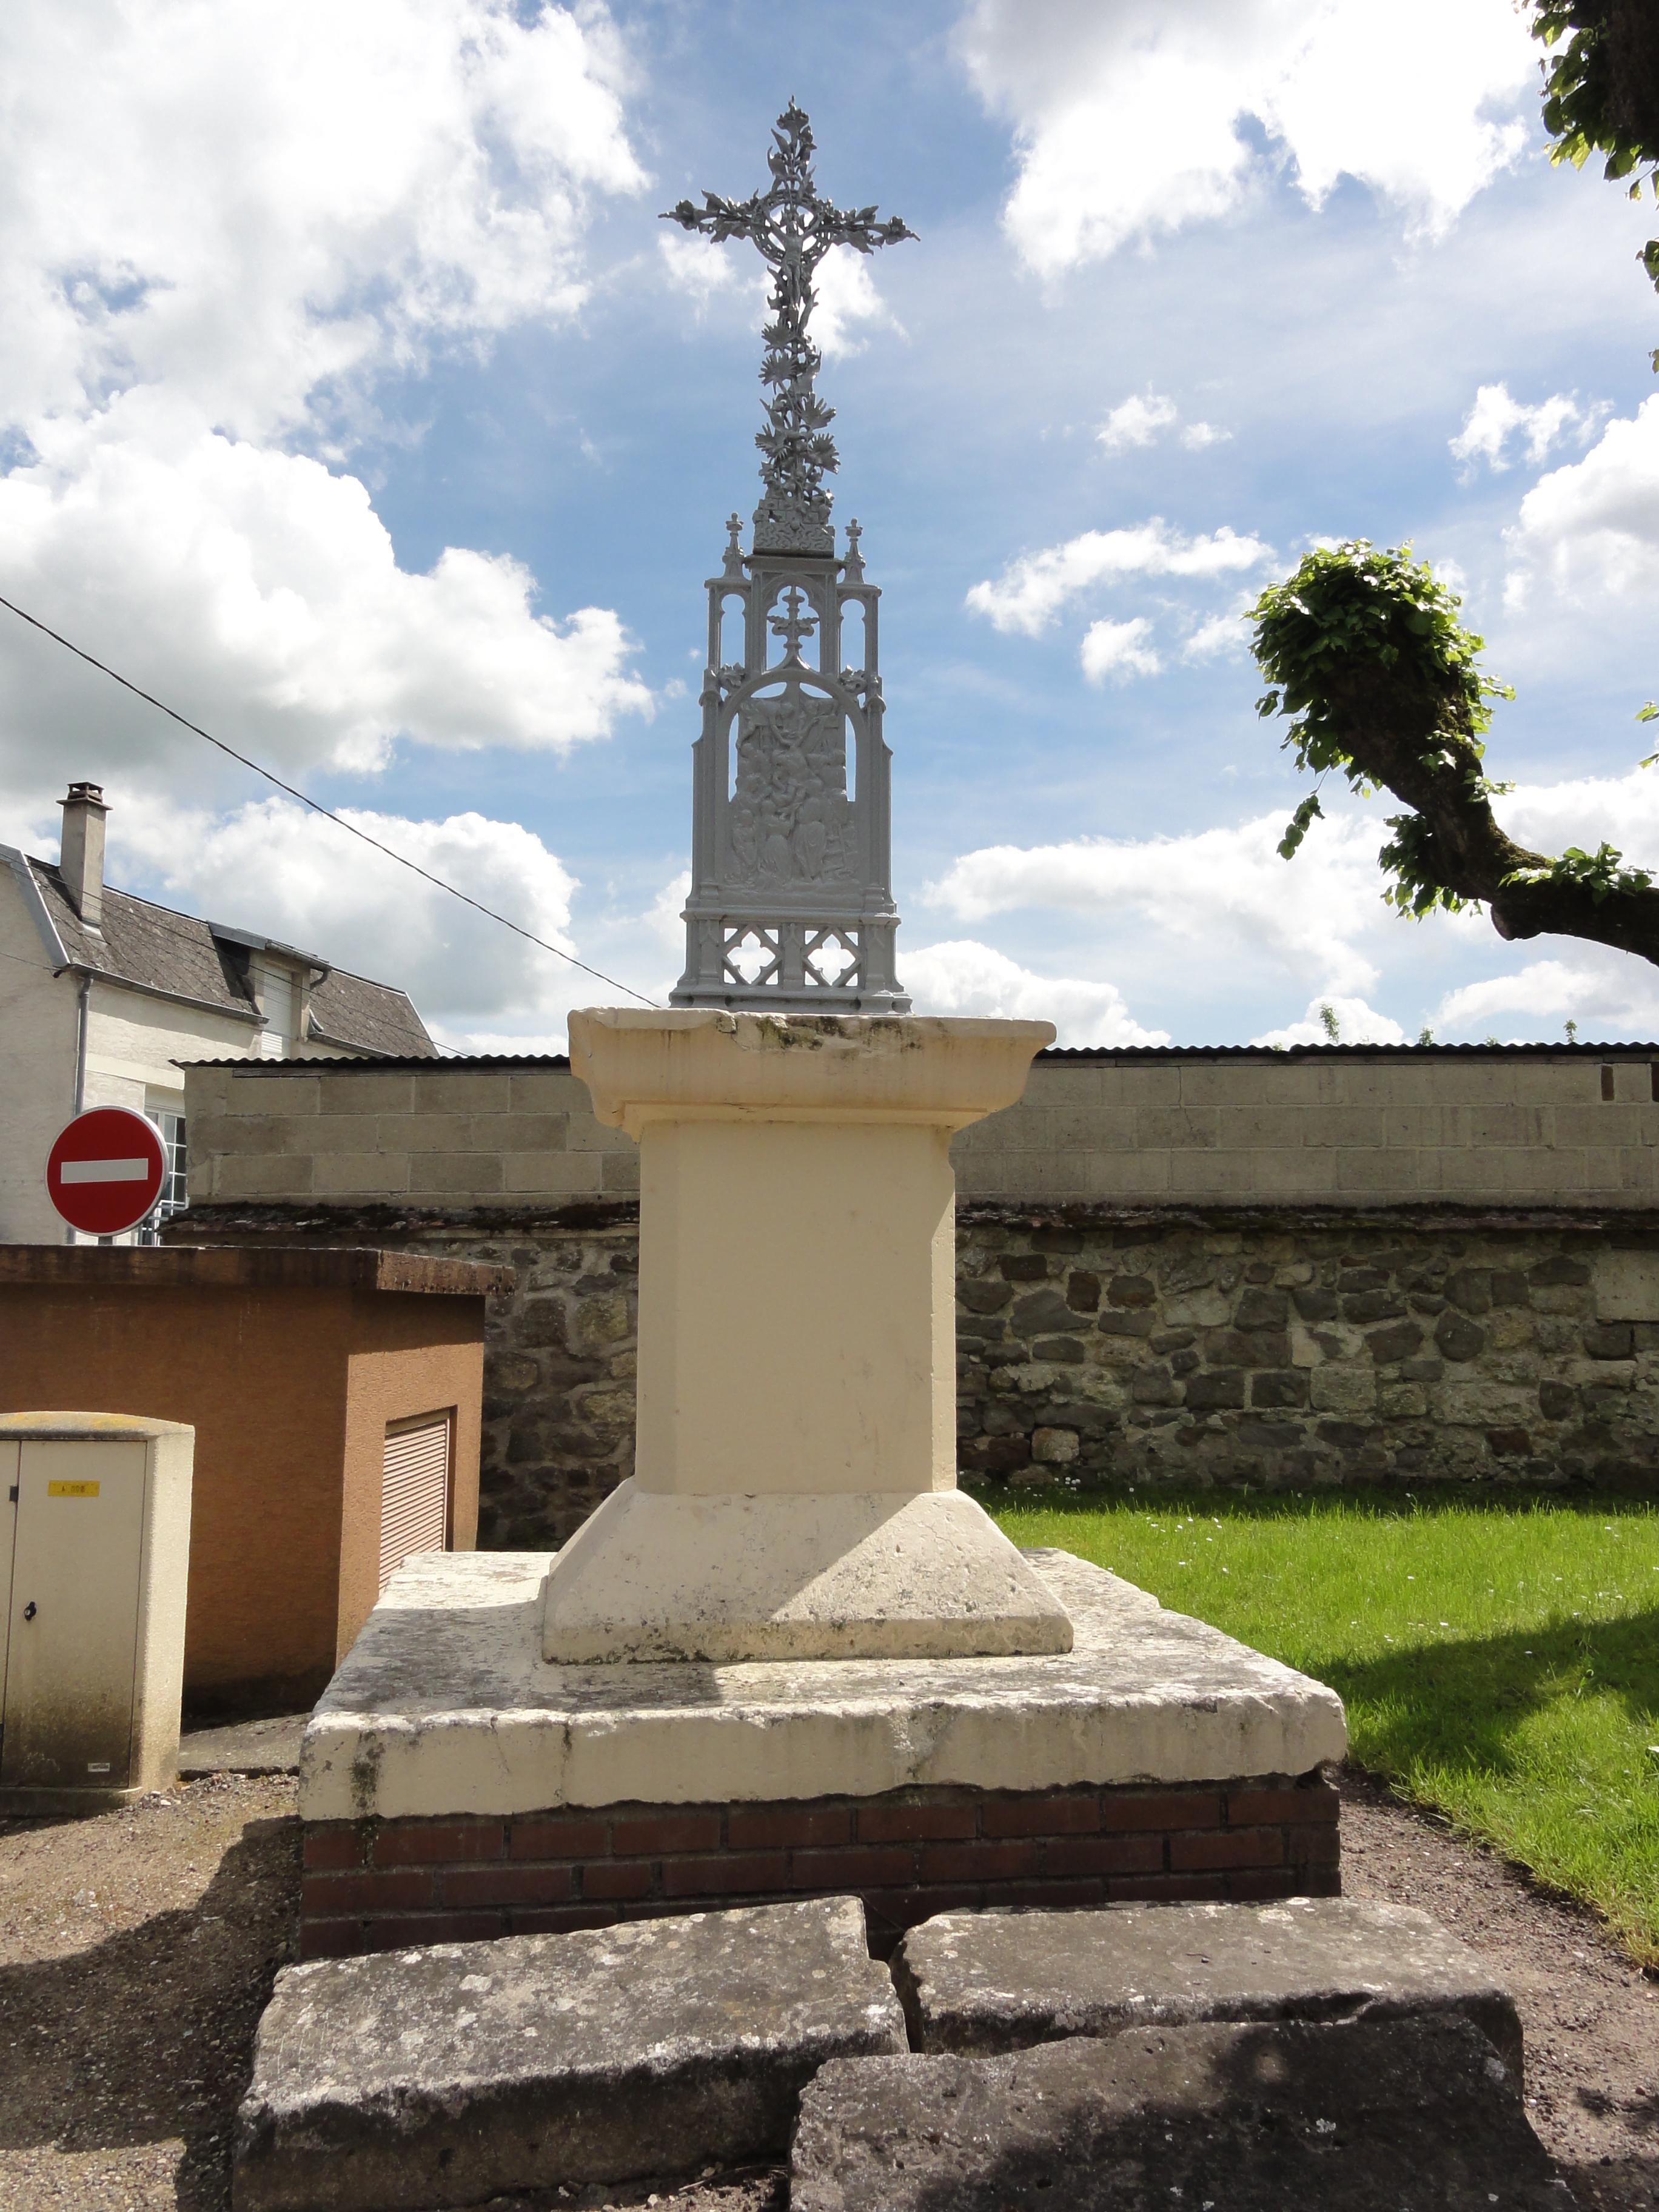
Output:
x=288 y=1386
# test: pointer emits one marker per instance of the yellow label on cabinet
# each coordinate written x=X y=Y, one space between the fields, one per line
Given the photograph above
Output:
x=71 y=1490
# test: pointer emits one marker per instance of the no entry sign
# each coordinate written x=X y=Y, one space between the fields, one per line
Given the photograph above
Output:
x=105 y=1171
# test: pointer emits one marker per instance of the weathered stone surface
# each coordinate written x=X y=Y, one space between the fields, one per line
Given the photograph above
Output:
x=445 y=1704
x=1256 y=2118
x=443 y=2076
x=654 y=1575
x=999 y=1982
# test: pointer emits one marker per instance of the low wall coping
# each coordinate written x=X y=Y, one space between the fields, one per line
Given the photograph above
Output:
x=246 y=1267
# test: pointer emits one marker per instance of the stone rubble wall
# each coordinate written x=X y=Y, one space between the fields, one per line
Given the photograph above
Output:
x=1302 y=1352
x=1099 y=1349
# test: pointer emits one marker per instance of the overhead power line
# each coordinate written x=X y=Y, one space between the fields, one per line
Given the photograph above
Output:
x=316 y=806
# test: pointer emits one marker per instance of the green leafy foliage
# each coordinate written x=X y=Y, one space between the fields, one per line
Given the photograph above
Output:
x=1599 y=872
x=1297 y=829
x=1351 y=614
x=1601 y=93
x=1347 y=606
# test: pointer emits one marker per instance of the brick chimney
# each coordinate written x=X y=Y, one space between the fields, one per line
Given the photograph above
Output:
x=81 y=860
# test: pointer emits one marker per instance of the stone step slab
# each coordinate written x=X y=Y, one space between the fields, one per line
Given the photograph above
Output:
x=1393 y=2116
x=446 y=2076
x=1004 y=1981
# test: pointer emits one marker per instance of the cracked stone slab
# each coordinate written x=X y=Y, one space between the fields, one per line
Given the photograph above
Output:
x=445 y=1704
x=1004 y=1981
x=1243 y=2117
x=446 y=2076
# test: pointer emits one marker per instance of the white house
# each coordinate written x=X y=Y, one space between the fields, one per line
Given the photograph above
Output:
x=102 y=995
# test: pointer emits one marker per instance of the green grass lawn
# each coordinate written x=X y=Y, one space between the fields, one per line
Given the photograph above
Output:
x=1500 y=1663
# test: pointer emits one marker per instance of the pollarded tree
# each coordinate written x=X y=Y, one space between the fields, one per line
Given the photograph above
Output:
x=1363 y=649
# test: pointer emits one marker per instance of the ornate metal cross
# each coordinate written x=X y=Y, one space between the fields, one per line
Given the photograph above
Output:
x=794 y=229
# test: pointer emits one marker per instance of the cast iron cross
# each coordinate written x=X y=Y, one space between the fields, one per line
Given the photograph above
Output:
x=794 y=229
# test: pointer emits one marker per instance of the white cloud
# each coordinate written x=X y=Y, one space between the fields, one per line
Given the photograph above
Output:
x=847 y=299
x=1126 y=119
x=964 y=977
x=1223 y=896
x=1356 y=1023
x=1591 y=528
x=219 y=230
x=696 y=266
x=1136 y=422
x=1602 y=991
x=1220 y=633
x=553 y=1042
x=1031 y=590
x=1118 y=650
x=273 y=868
x=1224 y=889
x=288 y=624
x=665 y=916
x=1495 y=416
x=249 y=202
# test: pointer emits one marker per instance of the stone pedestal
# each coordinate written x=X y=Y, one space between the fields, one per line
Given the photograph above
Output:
x=794 y=1493
x=455 y=1786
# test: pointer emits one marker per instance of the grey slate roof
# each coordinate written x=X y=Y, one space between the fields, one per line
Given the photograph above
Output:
x=153 y=949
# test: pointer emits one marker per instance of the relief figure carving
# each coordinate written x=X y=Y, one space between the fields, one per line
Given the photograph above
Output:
x=789 y=819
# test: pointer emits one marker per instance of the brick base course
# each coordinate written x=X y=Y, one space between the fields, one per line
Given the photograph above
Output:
x=382 y=1885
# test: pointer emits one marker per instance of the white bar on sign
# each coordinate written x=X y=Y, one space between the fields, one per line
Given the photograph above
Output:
x=106 y=1172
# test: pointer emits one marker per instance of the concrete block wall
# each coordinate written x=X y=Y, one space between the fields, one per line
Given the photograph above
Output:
x=1344 y=1127
x=454 y=1134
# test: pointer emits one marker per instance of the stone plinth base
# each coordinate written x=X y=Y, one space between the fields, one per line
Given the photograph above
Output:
x=858 y=1574
x=379 y=1885
x=454 y=1784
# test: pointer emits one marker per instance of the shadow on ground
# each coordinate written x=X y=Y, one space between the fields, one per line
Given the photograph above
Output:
x=147 y=2035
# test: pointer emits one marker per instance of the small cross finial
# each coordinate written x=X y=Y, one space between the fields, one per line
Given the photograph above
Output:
x=792 y=626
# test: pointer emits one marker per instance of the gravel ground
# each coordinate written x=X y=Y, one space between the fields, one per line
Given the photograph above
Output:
x=136 y=1951
x=1590 y=2016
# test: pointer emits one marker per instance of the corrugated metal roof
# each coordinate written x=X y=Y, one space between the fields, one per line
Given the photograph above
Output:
x=425 y=1063
x=1100 y=1054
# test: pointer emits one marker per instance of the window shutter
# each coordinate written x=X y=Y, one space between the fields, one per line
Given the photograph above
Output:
x=414 y=1491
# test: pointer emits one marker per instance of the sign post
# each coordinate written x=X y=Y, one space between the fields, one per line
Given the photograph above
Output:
x=106 y=1170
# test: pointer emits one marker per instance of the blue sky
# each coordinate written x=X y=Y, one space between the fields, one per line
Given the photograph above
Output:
x=359 y=403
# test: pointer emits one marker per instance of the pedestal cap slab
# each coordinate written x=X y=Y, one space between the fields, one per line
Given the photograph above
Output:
x=881 y=1575
x=445 y=1706
x=689 y=1063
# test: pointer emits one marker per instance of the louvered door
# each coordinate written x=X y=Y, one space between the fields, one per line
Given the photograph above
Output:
x=414 y=1490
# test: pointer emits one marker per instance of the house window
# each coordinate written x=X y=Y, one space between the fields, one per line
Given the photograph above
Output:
x=174 y=1186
